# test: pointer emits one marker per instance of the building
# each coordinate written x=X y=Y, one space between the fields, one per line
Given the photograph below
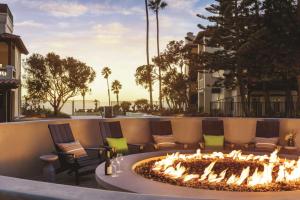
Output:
x=11 y=49
x=226 y=102
x=206 y=93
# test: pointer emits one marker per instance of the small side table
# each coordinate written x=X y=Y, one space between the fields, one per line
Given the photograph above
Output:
x=48 y=169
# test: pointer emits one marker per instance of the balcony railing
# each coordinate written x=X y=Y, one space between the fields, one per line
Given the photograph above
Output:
x=255 y=109
x=8 y=72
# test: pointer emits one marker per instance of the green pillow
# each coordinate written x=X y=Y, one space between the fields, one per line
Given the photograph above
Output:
x=119 y=144
x=214 y=140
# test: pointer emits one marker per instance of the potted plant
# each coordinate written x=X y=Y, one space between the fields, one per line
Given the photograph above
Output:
x=290 y=138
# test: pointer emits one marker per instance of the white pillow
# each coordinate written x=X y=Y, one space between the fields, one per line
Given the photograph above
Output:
x=266 y=143
x=272 y=140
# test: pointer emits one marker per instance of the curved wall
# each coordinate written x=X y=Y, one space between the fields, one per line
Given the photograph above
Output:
x=22 y=143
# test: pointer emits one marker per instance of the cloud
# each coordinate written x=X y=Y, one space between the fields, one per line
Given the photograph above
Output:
x=106 y=9
x=29 y=24
x=181 y=4
x=112 y=33
x=64 y=9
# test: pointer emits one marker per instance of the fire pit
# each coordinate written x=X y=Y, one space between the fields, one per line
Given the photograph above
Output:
x=226 y=172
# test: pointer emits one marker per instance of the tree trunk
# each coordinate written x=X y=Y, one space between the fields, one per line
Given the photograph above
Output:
x=147 y=51
x=83 y=101
x=108 y=92
x=298 y=94
x=243 y=93
x=56 y=111
x=117 y=98
x=159 y=69
x=298 y=10
x=268 y=108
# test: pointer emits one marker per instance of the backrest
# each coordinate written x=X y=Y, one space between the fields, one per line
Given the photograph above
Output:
x=267 y=128
x=212 y=127
x=60 y=133
x=163 y=127
x=111 y=129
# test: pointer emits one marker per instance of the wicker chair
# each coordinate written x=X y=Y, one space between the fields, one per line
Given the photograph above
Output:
x=62 y=133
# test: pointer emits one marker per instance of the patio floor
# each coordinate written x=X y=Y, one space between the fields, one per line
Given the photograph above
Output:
x=87 y=181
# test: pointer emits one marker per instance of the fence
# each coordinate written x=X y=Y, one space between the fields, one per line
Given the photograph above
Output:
x=255 y=109
x=91 y=107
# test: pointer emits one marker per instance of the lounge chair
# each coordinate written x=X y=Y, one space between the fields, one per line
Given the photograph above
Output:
x=62 y=134
x=113 y=129
x=267 y=135
x=162 y=135
x=211 y=130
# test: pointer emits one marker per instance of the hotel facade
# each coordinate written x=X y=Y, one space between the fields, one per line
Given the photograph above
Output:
x=11 y=49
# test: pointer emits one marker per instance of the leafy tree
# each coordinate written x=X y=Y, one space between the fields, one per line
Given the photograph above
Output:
x=116 y=87
x=55 y=80
x=175 y=90
x=106 y=71
x=230 y=26
x=145 y=76
x=142 y=105
x=156 y=6
x=125 y=106
x=83 y=93
x=175 y=57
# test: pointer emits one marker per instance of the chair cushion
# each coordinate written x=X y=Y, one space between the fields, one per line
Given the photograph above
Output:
x=73 y=148
x=214 y=140
x=266 y=143
x=265 y=146
x=164 y=140
x=119 y=144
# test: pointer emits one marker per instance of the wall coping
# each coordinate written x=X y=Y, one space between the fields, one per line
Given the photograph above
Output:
x=17 y=189
x=125 y=117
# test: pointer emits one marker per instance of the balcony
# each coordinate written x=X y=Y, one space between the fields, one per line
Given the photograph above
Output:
x=8 y=72
x=8 y=78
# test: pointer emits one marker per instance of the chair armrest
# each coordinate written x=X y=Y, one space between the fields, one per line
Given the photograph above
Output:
x=202 y=145
x=98 y=148
x=68 y=156
x=65 y=154
x=140 y=146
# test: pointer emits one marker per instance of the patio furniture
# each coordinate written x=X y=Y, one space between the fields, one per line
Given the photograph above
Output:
x=113 y=129
x=214 y=130
x=62 y=134
x=48 y=169
x=267 y=135
x=162 y=135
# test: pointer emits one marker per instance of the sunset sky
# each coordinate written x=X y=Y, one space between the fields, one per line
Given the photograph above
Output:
x=103 y=33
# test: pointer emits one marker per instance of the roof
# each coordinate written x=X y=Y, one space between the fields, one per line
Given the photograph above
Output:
x=202 y=34
x=9 y=83
x=16 y=39
x=5 y=9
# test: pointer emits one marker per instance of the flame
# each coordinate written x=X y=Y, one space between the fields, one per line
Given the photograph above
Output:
x=288 y=170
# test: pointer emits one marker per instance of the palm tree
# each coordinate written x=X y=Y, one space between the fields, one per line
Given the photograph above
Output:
x=83 y=93
x=106 y=71
x=116 y=87
x=155 y=6
x=147 y=49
